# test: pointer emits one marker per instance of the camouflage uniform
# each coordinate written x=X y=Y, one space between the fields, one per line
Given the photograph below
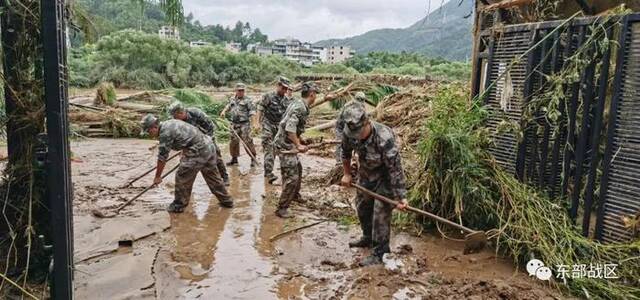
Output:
x=199 y=119
x=381 y=172
x=273 y=108
x=239 y=113
x=198 y=155
x=293 y=121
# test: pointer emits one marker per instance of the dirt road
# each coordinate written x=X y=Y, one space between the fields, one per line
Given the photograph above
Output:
x=210 y=252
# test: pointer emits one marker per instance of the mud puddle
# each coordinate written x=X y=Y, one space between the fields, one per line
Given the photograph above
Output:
x=209 y=252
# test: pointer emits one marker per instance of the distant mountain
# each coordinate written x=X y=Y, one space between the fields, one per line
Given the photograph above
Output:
x=443 y=33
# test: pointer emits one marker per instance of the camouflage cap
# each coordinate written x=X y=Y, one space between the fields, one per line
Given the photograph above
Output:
x=355 y=117
x=175 y=107
x=284 y=81
x=148 y=121
x=309 y=87
x=360 y=96
x=240 y=86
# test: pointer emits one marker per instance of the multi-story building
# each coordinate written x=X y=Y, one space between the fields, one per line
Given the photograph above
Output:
x=169 y=32
x=338 y=54
x=305 y=54
x=263 y=50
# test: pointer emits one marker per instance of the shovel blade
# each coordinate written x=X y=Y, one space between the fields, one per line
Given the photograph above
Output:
x=475 y=242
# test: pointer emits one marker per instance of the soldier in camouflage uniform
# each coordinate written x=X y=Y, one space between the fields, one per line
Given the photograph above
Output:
x=289 y=138
x=200 y=120
x=198 y=155
x=360 y=99
x=270 y=111
x=239 y=111
x=380 y=171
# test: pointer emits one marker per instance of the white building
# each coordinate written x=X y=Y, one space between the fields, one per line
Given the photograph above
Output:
x=263 y=50
x=338 y=54
x=169 y=32
x=320 y=53
x=196 y=44
x=294 y=50
x=233 y=47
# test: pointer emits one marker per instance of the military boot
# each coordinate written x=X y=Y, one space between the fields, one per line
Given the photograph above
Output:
x=233 y=161
x=270 y=178
x=227 y=204
x=283 y=213
x=175 y=208
x=363 y=242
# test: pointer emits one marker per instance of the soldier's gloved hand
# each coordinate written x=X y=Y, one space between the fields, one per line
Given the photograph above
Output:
x=157 y=181
x=223 y=114
x=302 y=148
x=346 y=180
x=402 y=204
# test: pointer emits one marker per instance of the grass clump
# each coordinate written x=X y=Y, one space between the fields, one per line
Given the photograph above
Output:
x=106 y=94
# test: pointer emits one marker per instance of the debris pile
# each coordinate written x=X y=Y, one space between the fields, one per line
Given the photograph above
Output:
x=406 y=112
x=109 y=116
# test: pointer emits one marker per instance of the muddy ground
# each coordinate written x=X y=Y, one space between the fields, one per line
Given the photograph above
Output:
x=209 y=252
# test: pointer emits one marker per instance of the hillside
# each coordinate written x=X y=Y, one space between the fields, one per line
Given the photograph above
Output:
x=444 y=33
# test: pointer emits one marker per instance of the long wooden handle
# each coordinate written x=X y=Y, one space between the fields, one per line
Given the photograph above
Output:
x=313 y=146
x=144 y=191
x=148 y=172
x=244 y=145
x=412 y=209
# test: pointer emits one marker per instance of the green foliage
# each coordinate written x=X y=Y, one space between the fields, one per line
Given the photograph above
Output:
x=148 y=16
x=106 y=94
x=134 y=59
x=412 y=64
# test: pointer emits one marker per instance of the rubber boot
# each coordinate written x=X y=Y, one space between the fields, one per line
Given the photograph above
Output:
x=233 y=161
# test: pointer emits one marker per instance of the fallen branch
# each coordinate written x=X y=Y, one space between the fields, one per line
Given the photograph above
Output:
x=507 y=4
x=18 y=286
x=280 y=235
x=325 y=126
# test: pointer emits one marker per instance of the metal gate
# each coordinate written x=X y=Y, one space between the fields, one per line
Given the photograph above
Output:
x=584 y=149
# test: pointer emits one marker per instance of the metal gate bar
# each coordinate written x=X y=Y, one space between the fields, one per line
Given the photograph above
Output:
x=59 y=189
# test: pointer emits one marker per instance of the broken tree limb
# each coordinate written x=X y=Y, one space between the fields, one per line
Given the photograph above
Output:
x=325 y=126
x=314 y=146
x=334 y=95
x=88 y=107
x=279 y=235
x=507 y=4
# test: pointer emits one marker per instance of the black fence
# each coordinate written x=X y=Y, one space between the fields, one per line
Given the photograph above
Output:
x=589 y=155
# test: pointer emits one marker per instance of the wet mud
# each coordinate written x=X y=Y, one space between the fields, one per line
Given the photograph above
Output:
x=210 y=252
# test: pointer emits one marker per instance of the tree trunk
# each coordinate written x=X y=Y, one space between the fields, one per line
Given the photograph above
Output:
x=24 y=209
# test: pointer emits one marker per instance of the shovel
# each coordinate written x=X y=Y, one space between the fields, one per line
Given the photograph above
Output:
x=245 y=146
x=99 y=214
x=474 y=240
x=313 y=146
x=148 y=172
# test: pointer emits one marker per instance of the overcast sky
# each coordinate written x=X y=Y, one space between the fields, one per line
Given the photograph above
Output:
x=312 y=20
